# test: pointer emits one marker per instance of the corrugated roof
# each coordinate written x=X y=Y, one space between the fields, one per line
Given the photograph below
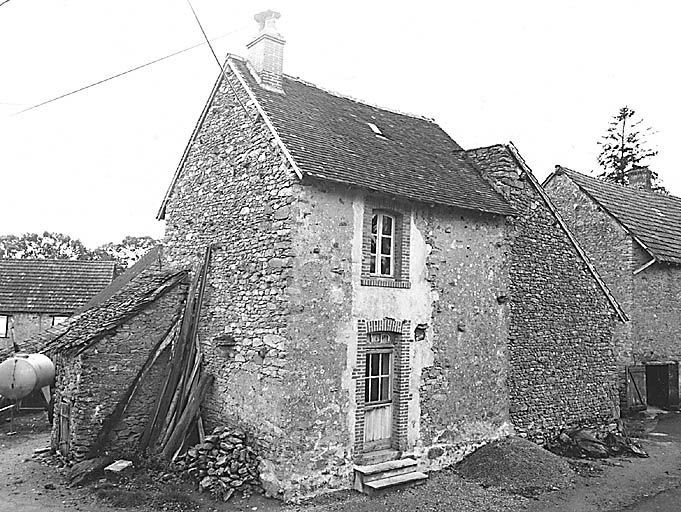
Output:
x=50 y=286
x=331 y=137
x=653 y=219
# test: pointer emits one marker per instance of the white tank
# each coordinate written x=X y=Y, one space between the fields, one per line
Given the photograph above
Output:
x=24 y=373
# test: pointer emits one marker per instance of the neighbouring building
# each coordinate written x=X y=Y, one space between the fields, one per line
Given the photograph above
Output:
x=36 y=294
x=633 y=236
x=374 y=290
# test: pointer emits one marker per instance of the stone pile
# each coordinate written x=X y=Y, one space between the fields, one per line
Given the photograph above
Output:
x=223 y=464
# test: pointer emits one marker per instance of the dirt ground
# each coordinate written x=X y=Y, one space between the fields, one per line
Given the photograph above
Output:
x=37 y=482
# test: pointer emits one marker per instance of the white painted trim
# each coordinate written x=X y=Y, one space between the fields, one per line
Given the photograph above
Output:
x=265 y=118
x=643 y=267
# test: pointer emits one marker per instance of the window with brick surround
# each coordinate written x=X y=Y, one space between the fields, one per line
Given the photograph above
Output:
x=4 y=326
x=385 y=246
x=382 y=252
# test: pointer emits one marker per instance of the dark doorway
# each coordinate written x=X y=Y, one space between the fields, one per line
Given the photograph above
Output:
x=662 y=385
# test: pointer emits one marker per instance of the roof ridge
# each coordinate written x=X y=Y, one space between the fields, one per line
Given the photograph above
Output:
x=650 y=193
x=345 y=96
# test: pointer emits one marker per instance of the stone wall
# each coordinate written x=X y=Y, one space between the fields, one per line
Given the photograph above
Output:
x=560 y=339
x=608 y=246
x=235 y=191
x=463 y=391
x=22 y=326
x=93 y=383
x=651 y=298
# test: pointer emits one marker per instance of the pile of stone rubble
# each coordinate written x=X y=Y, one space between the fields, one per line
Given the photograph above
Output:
x=223 y=464
x=595 y=442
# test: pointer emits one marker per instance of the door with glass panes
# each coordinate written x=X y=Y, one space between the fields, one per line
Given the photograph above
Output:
x=378 y=397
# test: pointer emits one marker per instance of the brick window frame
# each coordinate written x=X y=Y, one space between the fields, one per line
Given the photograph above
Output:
x=401 y=345
x=402 y=223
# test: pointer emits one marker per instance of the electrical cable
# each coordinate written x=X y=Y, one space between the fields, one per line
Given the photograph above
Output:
x=124 y=72
x=222 y=70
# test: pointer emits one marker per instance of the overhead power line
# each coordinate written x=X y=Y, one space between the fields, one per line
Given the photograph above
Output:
x=124 y=72
x=222 y=69
x=3 y=3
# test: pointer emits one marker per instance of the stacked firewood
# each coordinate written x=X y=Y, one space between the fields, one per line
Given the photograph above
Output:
x=223 y=464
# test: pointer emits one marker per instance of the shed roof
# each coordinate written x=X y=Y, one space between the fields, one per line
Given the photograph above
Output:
x=653 y=219
x=337 y=138
x=80 y=331
x=50 y=286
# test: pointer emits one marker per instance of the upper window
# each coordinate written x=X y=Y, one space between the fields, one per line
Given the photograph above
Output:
x=382 y=261
x=4 y=326
x=385 y=245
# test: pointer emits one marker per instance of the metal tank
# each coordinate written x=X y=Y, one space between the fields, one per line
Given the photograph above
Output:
x=22 y=374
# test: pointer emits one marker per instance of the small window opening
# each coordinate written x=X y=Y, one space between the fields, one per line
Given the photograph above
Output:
x=377 y=131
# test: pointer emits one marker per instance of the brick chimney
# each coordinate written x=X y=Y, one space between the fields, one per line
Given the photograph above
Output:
x=266 y=52
x=639 y=177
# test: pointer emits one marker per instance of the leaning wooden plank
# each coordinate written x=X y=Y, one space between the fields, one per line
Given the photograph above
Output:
x=153 y=417
x=170 y=386
x=188 y=415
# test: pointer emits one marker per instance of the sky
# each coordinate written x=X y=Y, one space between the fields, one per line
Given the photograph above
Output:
x=548 y=76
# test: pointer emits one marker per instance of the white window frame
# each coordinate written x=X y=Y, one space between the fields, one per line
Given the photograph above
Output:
x=4 y=322
x=380 y=216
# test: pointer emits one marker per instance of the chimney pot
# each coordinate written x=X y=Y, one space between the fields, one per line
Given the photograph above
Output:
x=266 y=52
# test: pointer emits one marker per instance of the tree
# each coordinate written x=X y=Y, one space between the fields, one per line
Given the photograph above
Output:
x=125 y=253
x=62 y=247
x=46 y=246
x=625 y=146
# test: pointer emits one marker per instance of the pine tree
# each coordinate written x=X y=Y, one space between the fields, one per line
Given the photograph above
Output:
x=625 y=146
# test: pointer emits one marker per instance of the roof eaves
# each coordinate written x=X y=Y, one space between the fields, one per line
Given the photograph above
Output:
x=265 y=117
x=533 y=180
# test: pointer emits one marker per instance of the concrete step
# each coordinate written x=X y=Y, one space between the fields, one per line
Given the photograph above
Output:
x=394 y=482
x=385 y=469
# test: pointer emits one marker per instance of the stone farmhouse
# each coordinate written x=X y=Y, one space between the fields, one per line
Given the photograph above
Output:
x=36 y=294
x=376 y=293
x=633 y=235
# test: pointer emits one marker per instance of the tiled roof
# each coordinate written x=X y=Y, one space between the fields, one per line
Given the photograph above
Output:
x=329 y=137
x=50 y=286
x=653 y=219
x=79 y=331
x=151 y=257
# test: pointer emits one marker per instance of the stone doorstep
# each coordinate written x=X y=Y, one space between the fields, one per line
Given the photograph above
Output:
x=386 y=469
x=387 y=475
x=394 y=482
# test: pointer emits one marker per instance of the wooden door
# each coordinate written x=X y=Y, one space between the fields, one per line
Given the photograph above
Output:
x=673 y=379
x=64 y=428
x=378 y=400
x=636 y=388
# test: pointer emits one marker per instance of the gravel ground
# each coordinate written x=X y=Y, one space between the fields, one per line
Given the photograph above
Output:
x=443 y=491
